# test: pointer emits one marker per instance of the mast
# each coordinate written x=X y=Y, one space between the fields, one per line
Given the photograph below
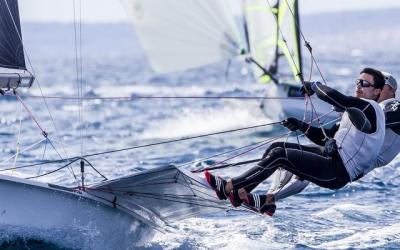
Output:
x=273 y=68
x=13 y=72
x=297 y=37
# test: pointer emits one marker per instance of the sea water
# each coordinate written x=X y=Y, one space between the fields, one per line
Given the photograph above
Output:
x=364 y=214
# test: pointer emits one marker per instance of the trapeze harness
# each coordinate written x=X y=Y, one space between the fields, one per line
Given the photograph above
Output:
x=335 y=162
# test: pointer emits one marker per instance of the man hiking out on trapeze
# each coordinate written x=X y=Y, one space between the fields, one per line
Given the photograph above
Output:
x=340 y=156
x=285 y=184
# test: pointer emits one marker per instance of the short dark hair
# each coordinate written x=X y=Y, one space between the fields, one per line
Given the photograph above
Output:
x=379 y=78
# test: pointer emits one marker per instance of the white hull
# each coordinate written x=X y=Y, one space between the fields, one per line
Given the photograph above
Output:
x=39 y=209
x=116 y=214
x=295 y=107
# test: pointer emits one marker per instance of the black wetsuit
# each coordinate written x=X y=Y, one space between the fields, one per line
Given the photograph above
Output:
x=321 y=164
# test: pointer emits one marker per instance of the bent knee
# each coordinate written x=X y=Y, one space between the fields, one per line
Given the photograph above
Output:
x=271 y=148
x=274 y=154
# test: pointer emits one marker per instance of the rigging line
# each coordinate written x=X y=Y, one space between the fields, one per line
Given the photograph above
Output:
x=80 y=69
x=287 y=47
x=44 y=153
x=299 y=73
x=182 y=139
x=130 y=98
x=171 y=197
x=23 y=150
x=53 y=171
x=18 y=139
x=90 y=164
x=249 y=150
x=145 y=145
x=177 y=200
x=254 y=160
x=285 y=41
x=43 y=132
x=78 y=73
x=81 y=61
x=226 y=165
x=37 y=81
x=291 y=56
x=262 y=142
x=215 y=166
x=216 y=155
x=68 y=164
x=273 y=139
x=307 y=44
x=305 y=112
x=81 y=82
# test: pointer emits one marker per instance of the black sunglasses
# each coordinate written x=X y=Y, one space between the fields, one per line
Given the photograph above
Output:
x=363 y=83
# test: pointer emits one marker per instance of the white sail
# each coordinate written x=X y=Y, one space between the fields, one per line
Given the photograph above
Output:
x=179 y=35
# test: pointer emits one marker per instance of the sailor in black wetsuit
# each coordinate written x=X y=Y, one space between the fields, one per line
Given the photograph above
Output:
x=285 y=184
x=346 y=155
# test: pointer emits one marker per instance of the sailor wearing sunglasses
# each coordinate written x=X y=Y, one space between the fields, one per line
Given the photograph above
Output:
x=346 y=155
x=285 y=184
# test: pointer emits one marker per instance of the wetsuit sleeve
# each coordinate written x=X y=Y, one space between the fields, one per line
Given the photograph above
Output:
x=316 y=135
x=344 y=102
x=392 y=114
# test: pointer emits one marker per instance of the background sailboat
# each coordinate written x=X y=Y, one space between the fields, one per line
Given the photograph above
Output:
x=276 y=44
x=264 y=33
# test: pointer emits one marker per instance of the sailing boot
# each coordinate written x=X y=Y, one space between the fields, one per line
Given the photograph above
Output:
x=235 y=199
x=265 y=204
x=217 y=184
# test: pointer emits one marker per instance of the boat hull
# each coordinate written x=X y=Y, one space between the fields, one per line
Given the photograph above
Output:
x=57 y=214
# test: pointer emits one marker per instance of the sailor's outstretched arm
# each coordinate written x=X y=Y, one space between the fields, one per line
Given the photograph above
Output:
x=361 y=113
x=314 y=134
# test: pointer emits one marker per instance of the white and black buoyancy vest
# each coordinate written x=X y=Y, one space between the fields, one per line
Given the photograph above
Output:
x=391 y=144
x=357 y=149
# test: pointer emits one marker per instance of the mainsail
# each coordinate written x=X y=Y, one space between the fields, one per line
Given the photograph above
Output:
x=159 y=196
x=179 y=35
x=13 y=71
x=269 y=26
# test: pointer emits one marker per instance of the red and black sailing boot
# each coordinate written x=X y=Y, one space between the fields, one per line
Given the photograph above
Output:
x=265 y=204
x=217 y=184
